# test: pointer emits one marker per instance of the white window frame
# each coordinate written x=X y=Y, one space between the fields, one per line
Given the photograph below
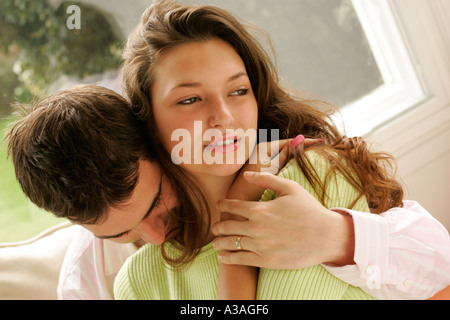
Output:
x=402 y=88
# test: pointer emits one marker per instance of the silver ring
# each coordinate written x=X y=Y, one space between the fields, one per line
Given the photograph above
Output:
x=238 y=243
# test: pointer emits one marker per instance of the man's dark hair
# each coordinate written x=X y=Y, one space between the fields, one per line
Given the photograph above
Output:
x=76 y=152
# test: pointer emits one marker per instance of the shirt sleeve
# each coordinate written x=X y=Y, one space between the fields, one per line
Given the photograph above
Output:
x=72 y=281
x=90 y=267
x=403 y=253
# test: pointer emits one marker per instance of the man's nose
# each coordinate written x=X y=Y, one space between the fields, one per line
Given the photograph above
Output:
x=152 y=229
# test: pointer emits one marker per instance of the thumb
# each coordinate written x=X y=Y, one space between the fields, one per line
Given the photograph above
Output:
x=279 y=185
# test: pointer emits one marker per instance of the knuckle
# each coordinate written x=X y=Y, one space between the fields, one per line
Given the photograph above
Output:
x=217 y=243
x=231 y=243
x=236 y=258
x=227 y=205
x=218 y=228
x=228 y=228
x=224 y=257
x=258 y=208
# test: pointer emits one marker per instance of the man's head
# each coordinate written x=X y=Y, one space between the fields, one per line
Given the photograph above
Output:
x=79 y=153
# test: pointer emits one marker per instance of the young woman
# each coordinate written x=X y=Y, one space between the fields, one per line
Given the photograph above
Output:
x=189 y=65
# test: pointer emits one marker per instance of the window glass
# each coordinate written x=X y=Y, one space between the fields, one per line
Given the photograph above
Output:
x=320 y=45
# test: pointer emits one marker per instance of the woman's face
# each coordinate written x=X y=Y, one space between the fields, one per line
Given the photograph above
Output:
x=204 y=107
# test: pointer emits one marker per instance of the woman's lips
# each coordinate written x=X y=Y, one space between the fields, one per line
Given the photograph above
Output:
x=226 y=144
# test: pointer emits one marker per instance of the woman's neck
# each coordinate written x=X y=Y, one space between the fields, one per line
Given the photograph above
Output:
x=214 y=188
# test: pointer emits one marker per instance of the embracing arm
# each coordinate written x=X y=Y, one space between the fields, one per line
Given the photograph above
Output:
x=288 y=234
x=403 y=253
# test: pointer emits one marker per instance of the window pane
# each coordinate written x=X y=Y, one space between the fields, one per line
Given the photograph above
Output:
x=320 y=45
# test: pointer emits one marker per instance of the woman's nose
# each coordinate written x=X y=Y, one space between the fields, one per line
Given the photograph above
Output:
x=220 y=114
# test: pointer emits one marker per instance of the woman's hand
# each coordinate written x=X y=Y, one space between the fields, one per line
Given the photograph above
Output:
x=291 y=232
x=272 y=156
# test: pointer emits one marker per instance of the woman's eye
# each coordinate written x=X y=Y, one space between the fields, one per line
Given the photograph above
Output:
x=239 y=92
x=189 y=101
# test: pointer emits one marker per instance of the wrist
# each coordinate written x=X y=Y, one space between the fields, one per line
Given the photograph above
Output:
x=342 y=240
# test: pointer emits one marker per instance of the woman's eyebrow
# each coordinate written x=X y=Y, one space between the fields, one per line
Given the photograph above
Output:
x=237 y=76
x=154 y=204
x=198 y=84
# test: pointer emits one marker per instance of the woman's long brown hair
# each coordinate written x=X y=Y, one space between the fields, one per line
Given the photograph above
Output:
x=166 y=24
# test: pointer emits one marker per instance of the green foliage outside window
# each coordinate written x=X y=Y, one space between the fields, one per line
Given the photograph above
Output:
x=36 y=49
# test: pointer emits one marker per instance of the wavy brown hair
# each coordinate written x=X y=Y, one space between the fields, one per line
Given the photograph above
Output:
x=166 y=24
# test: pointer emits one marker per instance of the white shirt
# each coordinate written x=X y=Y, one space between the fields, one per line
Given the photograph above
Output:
x=403 y=253
x=90 y=267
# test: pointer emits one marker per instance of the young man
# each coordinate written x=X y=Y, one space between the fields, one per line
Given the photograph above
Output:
x=83 y=155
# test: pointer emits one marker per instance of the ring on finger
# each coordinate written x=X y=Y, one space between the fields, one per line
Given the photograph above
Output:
x=238 y=243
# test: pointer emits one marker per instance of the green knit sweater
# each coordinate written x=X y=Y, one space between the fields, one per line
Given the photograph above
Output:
x=146 y=275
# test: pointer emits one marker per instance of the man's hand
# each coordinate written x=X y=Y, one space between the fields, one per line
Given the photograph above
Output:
x=293 y=231
x=267 y=157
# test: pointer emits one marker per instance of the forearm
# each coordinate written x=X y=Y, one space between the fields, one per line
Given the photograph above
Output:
x=403 y=253
x=237 y=282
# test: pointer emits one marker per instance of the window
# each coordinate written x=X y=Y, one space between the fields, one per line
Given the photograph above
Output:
x=401 y=88
x=349 y=52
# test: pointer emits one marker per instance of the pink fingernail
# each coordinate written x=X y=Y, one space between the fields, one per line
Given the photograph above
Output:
x=298 y=139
